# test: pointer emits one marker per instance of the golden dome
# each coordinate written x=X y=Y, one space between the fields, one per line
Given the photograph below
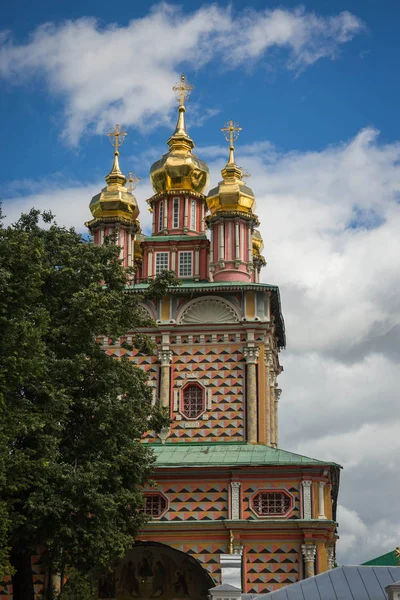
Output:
x=115 y=202
x=137 y=246
x=258 y=244
x=180 y=169
x=231 y=194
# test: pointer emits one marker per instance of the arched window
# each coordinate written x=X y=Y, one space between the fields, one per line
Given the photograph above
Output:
x=193 y=401
x=268 y=504
x=154 y=505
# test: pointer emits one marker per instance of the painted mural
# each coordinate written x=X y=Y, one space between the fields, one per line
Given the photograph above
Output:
x=155 y=571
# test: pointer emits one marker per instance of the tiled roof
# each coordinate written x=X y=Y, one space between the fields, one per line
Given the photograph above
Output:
x=342 y=583
x=177 y=455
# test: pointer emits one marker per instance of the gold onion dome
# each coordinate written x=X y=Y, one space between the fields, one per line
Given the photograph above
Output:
x=115 y=202
x=179 y=168
x=231 y=194
x=258 y=244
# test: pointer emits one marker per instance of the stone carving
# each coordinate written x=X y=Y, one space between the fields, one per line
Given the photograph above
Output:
x=307 y=499
x=251 y=354
x=235 y=500
x=165 y=357
x=331 y=555
x=209 y=311
x=309 y=552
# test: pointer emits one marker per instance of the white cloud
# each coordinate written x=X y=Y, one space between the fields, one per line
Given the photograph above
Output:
x=109 y=74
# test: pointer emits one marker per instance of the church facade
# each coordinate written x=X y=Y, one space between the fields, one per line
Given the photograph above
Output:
x=227 y=500
x=228 y=505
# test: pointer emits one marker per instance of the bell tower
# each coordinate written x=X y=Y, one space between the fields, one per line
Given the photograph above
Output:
x=115 y=210
x=231 y=220
x=226 y=496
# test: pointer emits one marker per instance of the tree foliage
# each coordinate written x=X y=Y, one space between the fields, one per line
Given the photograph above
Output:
x=71 y=461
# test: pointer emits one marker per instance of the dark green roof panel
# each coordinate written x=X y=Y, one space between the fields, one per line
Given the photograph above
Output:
x=176 y=455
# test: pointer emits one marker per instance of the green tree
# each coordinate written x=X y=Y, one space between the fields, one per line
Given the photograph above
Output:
x=71 y=461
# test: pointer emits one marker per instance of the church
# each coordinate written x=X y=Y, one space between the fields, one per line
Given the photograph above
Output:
x=228 y=506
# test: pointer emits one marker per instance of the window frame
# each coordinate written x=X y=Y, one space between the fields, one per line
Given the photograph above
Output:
x=175 y=212
x=160 y=495
x=272 y=515
x=156 y=272
x=189 y=253
x=161 y=215
x=189 y=384
x=193 y=215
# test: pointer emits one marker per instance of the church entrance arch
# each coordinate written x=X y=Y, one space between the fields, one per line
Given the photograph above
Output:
x=153 y=570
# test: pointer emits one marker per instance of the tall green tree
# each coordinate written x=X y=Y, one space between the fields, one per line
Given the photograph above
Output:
x=71 y=417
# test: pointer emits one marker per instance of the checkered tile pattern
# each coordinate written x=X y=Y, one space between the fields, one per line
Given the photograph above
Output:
x=195 y=501
x=271 y=566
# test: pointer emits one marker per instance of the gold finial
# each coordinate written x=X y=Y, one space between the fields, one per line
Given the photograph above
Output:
x=133 y=180
x=231 y=538
x=397 y=551
x=182 y=91
x=231 y=133
x=116 y=138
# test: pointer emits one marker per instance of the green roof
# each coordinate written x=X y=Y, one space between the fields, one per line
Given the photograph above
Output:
x=209 y=285
x=183 y=454
x=174 y=238
x=385 y=560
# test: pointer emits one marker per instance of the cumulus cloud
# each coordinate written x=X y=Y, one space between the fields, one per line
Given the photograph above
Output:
x=109 y=74
x=330 y=222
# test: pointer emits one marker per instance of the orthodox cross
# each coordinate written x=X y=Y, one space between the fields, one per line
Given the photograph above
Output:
x=231 y=133
x=182 y=90
x=117 y=138
x=133 y=180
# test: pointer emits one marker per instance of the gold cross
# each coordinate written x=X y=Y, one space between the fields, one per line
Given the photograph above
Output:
x=397 y=551
x=133 y=180
x=231 y=132
x=182 y=91
x=117 y=138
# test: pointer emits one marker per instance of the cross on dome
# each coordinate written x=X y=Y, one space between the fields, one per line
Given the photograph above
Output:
x=231 y=133
x=182 y=90
x=133 y=180
x=117 y=138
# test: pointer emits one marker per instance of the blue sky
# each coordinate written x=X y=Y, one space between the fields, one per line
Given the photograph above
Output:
x=316 y=91
x=320 y=105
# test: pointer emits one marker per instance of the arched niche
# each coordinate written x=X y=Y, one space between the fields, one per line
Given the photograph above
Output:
x=154 y=570
x=208 y=310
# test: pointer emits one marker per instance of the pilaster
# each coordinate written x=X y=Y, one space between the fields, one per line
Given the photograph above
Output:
x=321 y=500
x=307 y=505
x=251 y=354
x=235 y=500
x=330 y=550
x=309 y=551
x=165 y=358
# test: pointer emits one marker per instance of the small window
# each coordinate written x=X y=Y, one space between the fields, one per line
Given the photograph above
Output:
x=193 y=215
x=154 y=505
x=185 y=264
x=160 y=215
x=175 y=220
x=162 y=262
x=271 y=503
x=193 y=401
